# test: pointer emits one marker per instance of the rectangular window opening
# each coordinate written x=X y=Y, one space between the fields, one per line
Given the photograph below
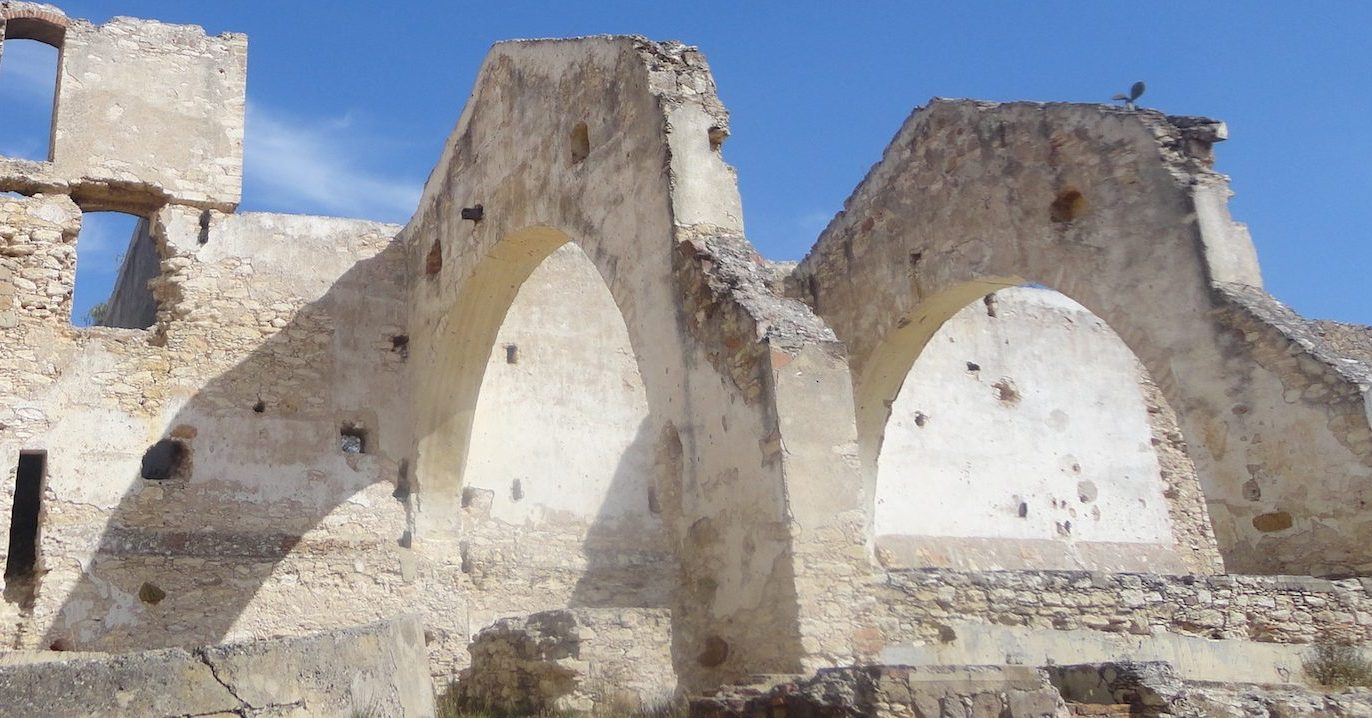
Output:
x=112 y=286
x=22 y=558
x=28 y=92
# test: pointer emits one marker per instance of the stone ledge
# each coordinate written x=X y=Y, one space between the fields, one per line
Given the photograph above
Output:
x=380 y=667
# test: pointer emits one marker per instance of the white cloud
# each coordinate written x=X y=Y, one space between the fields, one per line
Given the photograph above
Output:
x=308 y=165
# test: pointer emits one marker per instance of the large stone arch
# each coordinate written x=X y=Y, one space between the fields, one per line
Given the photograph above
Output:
x=632 y=172
x=455 y=358
x=540 y=538
x=1120 y=211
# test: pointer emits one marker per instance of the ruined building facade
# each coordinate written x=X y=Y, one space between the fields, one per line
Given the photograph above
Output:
x=1025 y=400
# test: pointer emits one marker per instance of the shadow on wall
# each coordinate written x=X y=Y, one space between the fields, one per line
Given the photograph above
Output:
x=558 y=482
x=251 y=463
x=618 y=572
x=286 y=472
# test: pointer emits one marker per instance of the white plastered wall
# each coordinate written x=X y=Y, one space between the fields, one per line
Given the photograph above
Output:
x=1021 y=434
x=562 y=404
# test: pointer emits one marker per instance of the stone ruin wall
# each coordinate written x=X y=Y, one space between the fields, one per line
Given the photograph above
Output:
x=595 y=398
x=243 y=329
x=1123 y=214
x=177 y=133
x=377 y=668
x=270 y=517
x=1225 y=628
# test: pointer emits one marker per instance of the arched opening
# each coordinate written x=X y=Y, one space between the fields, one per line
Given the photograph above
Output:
x=115 y=260
x=536 y=446
x=1027 y=435
x=30 y=59
x=561 y=404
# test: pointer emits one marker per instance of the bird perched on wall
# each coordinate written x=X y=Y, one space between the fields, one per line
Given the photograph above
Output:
x=1135 y=92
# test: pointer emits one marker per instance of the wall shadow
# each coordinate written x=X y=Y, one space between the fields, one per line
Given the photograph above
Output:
x=630 y=561
x=178 y=560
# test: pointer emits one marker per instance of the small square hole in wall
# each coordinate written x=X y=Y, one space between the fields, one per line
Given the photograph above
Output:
x=352 y=439
x=511 y=353
x=167 y=459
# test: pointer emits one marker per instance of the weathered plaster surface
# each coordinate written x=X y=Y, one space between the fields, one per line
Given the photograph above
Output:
x=145 y=113
x=1120 y=211
x=378 y=668
x=998 y=454
x=561 y=404
x=570 y=384
x=654 y=208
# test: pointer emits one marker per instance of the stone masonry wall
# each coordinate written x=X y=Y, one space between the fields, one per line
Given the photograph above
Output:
x=311 y=378
x=1121 y=211
x=253 y=368
x=897 y=692
x=146 y=113
x=920 y=605
x=573 y=660
x=37 y=258
x=1316 y=375
x=1191 y=526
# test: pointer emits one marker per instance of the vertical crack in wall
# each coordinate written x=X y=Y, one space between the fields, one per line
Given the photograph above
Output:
x=246 y=709
x=204 y=658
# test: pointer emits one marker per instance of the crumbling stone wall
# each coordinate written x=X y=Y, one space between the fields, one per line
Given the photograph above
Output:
x=1154 y=689
x=311 y=432
x=573 y=660
x=1313 y=376
x=372 y=669
x=897 y=691
x=647 y=197
x=1114 y=689
x=177 y=135
x=253 y=367
x=37 y=258
x=1255 y=627
x=1120 y=211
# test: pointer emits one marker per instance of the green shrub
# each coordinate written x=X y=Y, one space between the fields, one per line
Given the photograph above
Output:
x=1337 y=664
x=449 y=706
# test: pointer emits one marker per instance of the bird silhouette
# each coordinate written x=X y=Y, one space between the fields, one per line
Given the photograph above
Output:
x=1135 y=92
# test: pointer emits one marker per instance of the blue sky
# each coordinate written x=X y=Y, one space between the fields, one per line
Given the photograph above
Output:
x=349 y=102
